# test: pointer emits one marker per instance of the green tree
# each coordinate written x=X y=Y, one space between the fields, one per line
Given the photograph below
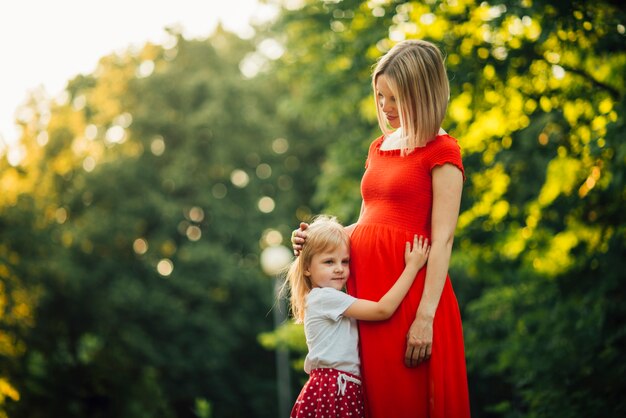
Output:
x=133 y=227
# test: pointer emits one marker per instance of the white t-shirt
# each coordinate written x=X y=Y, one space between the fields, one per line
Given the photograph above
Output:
x=332 y=338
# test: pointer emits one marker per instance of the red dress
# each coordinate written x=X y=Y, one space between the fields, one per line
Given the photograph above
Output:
x=397 y=203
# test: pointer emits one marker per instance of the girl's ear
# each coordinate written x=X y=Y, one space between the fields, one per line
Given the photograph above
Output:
x=307 y=273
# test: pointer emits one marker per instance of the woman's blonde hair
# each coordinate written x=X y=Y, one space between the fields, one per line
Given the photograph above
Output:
x=417 y=77
x=323 y=234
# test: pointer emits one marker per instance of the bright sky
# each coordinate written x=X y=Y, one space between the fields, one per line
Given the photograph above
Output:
x=48 y=42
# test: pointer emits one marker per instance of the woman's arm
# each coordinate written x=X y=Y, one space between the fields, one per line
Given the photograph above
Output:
x=447 y=188
x=415 y=258
x=298 y=236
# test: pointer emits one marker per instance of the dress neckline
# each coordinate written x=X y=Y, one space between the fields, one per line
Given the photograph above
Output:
x=398 y=152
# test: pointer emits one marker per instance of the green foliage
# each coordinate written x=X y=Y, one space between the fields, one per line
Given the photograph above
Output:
x=142 y=268
x=203 y=408
x=289 y=335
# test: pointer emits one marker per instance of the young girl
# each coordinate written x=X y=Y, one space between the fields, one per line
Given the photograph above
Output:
x=317 y=278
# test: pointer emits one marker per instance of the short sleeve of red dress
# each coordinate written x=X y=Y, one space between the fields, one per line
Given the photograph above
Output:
x=444 y=150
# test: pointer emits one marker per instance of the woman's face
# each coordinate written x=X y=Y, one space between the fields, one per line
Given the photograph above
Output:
x=387 y=101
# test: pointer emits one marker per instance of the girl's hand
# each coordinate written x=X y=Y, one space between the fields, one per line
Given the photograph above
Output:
x=419 y=341
x=298 y=237
x=417 y=256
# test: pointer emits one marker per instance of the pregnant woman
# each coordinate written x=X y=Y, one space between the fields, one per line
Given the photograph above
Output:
x=413 y=364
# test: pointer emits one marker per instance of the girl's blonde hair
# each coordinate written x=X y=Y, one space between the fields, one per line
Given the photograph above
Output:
x=417 y=77
x=323 y=234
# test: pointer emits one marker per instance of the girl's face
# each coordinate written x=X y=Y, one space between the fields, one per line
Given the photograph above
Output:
x=387 y=101
x=330 y=268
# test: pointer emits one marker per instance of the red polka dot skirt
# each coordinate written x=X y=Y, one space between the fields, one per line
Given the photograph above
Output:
x=330 y=393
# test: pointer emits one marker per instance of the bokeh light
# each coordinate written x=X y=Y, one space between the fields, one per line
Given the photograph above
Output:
x=115 y=135
x=165 y=267
x=140 y=246
x=196 y=214
x=42 y=138
x=193 y=233
x=266 y=204
x=157 y=146
x=271 y=237
x=60 y=215
x=264 y=171
x=89 y=164
x=91 y=132
x=239 y=178
x=280 y=145
x=219 y=191
x=145 y=69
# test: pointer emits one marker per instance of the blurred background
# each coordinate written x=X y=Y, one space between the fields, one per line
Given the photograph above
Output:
x=145 y=207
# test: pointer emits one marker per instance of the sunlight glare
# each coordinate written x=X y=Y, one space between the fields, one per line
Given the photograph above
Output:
x=74 y=42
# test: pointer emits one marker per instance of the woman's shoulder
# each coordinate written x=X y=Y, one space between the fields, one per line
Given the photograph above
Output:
x=444 y=149
x=443 y=145
x=444 y=141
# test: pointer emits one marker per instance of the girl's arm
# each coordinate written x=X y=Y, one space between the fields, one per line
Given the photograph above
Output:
x=367 y=310
x=447 y=187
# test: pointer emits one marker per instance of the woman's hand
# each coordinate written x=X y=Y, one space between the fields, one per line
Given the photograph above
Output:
x=298 y=237
x=419 y=341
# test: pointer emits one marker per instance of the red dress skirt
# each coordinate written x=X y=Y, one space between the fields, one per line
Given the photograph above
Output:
x=397 y=199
